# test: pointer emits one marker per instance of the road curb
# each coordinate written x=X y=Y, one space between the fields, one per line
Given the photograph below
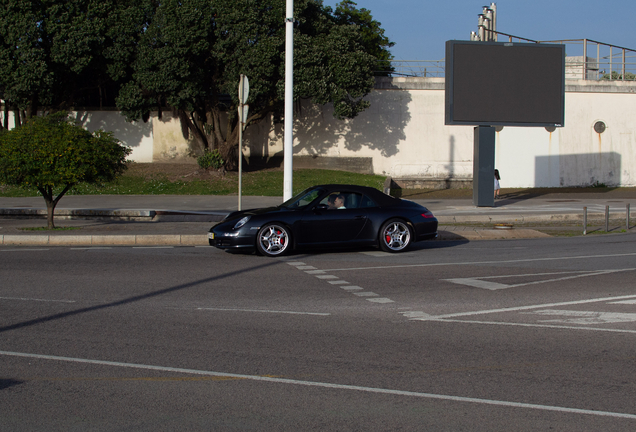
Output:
x=106 y=240
x=508 y=218
x=489 y=234
x=202 y=239
x=111 y=214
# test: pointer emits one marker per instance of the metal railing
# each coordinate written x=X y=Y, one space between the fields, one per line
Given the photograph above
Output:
x=418 y=68
x=611 y=62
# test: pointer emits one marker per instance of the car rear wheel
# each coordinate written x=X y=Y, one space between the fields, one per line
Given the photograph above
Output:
x=395 y=236
x=273 y=240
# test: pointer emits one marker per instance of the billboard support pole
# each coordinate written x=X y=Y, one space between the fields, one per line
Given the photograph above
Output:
x=484 y=166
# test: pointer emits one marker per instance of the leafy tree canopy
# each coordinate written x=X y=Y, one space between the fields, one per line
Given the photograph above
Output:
x=191 y=54
x=53 y=154
x=61 y=54
x=186 y=56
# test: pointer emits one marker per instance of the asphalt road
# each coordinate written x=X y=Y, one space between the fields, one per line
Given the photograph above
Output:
x=519 y=335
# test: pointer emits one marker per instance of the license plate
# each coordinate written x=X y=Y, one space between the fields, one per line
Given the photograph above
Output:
x=211 y=236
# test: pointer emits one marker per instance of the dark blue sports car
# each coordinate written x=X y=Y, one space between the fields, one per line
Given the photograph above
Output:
x=327 y=216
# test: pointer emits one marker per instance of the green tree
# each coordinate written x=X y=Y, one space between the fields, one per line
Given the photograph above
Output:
x=64 y=54
x=372 y=34
x=191 y=53
x=53 y=154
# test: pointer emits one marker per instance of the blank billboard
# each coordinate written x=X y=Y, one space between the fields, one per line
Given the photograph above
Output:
x=505 y=83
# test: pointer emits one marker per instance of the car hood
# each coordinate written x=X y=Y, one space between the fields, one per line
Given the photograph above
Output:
x=253 y=212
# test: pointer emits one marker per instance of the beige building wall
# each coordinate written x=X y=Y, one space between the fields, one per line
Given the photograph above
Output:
x=403 y=135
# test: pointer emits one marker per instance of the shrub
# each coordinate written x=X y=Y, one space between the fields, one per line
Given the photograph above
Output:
x=54 y=154
x=210 y=159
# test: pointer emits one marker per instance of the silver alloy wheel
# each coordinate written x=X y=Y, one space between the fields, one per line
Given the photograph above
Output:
x=273 y=240
x=395 y=236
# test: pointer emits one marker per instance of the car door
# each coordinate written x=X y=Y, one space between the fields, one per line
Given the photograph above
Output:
x=325 y=225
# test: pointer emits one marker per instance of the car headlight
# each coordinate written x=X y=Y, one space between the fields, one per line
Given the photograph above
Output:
x=241 y=222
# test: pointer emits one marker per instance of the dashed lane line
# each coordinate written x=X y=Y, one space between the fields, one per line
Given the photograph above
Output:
x=335 y=280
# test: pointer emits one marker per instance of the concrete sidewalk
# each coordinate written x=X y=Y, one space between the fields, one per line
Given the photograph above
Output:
x=174 y=220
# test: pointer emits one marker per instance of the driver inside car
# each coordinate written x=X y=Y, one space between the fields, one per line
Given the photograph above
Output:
x=336 y=201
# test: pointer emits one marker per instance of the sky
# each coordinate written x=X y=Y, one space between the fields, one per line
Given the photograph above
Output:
x=420 y=28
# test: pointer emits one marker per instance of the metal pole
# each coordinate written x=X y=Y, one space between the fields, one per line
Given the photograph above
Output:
x=288 y=150
x=584 y=220
x=584 y=58
x=627 y=218
x=623 y=64
x=493 y=6
x=240 y=156
x=606 y=218
x=240 y=149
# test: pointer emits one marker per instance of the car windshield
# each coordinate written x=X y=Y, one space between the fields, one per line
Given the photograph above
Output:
x=303 y=199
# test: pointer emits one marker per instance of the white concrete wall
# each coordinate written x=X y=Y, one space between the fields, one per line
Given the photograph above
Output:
x=404 y=134
x=138 y=135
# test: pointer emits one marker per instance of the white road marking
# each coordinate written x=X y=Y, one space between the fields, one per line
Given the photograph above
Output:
x=627 y=302
x=481 y=262
x=380 y=300
x=478 y=282
x=265 y=311
x=37 y=299
x=365 y=294
x=520 y=308
x=415 y=314
x=512 y=324
x=584 y=317
x=320 y=274
x=460 y=399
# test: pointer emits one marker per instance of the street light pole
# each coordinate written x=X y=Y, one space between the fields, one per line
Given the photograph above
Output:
x=288 y=150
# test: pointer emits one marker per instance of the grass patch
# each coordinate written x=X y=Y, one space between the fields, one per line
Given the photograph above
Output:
x=46 y=229
x=200 y=182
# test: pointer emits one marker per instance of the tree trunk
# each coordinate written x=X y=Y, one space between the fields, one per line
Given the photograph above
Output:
x=47 y=194
x=50 y=210
x=188 y=123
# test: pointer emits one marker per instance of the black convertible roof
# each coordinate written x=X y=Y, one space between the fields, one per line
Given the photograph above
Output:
x=379 y=197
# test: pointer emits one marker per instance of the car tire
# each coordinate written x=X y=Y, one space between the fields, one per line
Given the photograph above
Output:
x=395 y=236
x=273 y=240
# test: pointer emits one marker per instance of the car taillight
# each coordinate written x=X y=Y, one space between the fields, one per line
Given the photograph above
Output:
x=427 y=215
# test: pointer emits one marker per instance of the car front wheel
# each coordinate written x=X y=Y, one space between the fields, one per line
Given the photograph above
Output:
x=273 y=240
x=395 y=236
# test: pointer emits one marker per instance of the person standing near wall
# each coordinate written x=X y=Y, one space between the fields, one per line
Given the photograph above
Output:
x=497 y=186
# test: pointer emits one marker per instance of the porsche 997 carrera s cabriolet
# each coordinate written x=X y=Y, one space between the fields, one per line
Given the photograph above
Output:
x=327 y=216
